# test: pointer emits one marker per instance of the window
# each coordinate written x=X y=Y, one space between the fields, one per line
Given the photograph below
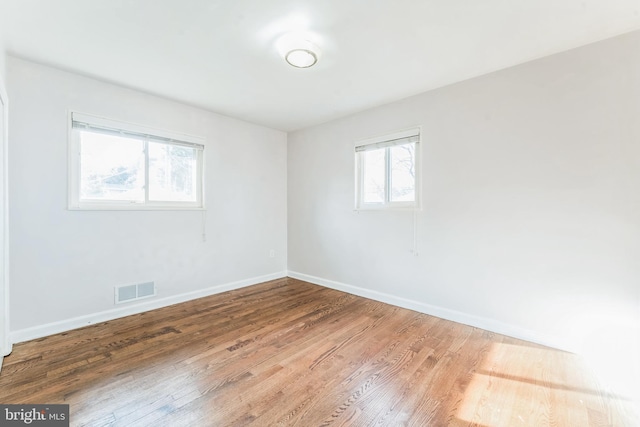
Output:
x=122 y=166
x=387 y=171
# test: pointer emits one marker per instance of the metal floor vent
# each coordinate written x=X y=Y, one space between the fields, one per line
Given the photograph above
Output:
x=135 y=292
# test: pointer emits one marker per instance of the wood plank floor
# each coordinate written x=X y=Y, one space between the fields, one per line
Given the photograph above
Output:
x=288 y=352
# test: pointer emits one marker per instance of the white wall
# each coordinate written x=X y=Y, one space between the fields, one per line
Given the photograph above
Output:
x=65 y=264
x=531 y=216
x=3 y=56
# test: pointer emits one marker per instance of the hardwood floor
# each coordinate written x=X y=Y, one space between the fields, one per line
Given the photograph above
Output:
x=288 y=352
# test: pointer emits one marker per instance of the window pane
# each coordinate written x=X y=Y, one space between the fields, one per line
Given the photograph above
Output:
x=373 y=162
x=403 y=173
x=111 y=167
x=172 y=173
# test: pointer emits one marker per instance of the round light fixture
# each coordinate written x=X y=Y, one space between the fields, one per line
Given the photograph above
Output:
x=299 y=48
x=301 y=58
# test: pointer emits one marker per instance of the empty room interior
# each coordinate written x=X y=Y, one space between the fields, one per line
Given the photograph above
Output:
x=314 y=213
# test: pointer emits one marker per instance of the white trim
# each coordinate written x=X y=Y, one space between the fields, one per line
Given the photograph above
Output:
x=442 y=312
x=6 y=344
x=130 y=206
x=122 y=311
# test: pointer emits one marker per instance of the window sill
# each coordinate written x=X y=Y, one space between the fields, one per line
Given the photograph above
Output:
x=133 y=207
x=380 y=208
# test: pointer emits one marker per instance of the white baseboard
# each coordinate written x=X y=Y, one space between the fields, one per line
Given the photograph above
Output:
x=7 y=348
x=103 y=316
x=441 y=312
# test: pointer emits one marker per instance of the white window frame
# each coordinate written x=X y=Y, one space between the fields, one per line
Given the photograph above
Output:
x=387 y=141
x=146 y=133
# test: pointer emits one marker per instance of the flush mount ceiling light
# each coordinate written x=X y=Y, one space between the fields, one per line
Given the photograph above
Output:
x=301 y=58
x=298 y=49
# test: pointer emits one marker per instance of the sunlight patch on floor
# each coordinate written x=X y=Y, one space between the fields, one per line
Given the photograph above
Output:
x=532 y=385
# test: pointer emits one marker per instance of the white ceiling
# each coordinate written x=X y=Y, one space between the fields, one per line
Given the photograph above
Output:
x=221 y=54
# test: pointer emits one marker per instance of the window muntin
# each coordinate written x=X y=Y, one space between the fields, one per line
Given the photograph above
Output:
x=387 y=171
x=121 y=166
